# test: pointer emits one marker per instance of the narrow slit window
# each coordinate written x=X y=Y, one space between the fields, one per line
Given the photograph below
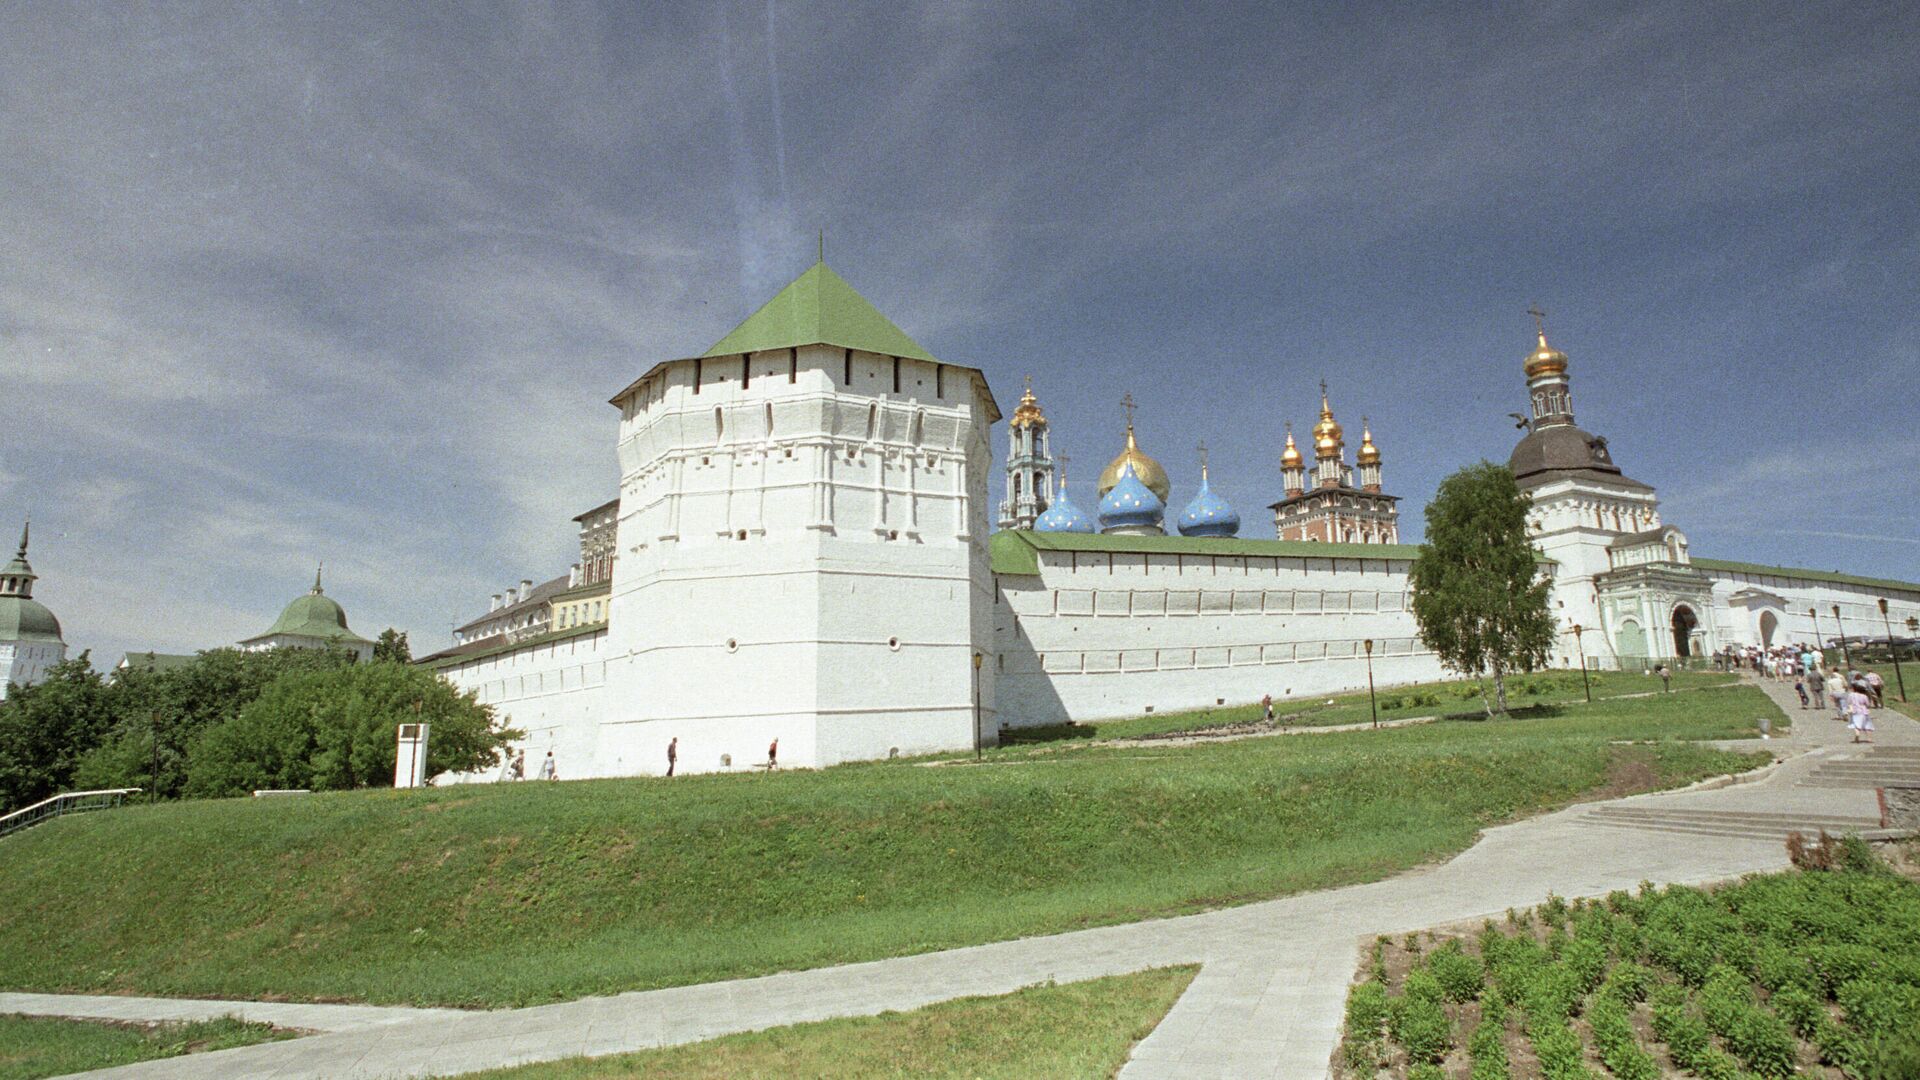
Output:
x=746 y=371
x=939 y=380
x=849 y=361
x=873 y=421
x=696 y=376
x=896 y=374
x=793 y=365
x=719 y=425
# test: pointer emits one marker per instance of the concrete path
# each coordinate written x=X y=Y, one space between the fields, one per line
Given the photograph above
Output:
x=149 y=1010
x=1267 y=1002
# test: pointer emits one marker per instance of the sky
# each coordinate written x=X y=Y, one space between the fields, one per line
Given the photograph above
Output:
x=291 y=283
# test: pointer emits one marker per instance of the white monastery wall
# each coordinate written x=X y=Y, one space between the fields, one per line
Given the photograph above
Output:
x=555 y=691
x=1099 y=635
x=1758 y=608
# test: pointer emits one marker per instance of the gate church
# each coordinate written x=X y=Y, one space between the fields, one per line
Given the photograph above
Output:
x=802 y=553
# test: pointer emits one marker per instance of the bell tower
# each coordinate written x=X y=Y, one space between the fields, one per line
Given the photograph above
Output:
x=1029 y=465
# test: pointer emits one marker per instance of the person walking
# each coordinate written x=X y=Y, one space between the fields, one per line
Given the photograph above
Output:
x=1800 y=687
x=1858 y=718
x=1837 y=693
x=1666 y=679
x=773 y=755
x=1876 y=689
x=1266 y=705
x=549 y=771
x=520 y=765
x=673 y=753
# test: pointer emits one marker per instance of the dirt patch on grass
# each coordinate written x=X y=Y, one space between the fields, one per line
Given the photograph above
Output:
x=1630 y=771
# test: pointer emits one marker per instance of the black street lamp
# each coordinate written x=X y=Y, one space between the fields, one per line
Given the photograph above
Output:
x=1819 y=646
x=1371 y=702
x=1584 y=681
x=977 y=658
x=1845 y=657
x=1893 y=650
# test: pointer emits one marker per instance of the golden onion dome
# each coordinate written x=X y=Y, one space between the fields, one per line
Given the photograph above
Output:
x=1328 y=437
x=1369 y=454
x=1291 y=458
x=1546 y=360
x=1147 y=470
x=1028 y=413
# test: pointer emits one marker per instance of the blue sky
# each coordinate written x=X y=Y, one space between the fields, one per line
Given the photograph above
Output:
x=284 y=283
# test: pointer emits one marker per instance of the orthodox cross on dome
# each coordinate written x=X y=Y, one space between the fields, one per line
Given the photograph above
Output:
x=1126 y=403
x=1062 y=459
x=1539 y=320
x=316 y=577
x=1202 y=448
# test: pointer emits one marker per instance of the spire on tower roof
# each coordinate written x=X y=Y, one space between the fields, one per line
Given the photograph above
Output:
x=316 y=577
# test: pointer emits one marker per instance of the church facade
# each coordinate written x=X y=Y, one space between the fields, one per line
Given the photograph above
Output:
x=799 y=551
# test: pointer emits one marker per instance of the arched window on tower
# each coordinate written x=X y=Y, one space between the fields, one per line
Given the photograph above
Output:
x=719 y=425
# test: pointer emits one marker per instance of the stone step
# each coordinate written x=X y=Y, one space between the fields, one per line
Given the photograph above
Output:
x=1743 y=817
x=1770 y=834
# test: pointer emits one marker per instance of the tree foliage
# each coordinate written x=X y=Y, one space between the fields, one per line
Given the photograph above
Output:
x=1478 y=594
x=158 y=714
x=391 y=646
x=46 y=728
x=335 y=729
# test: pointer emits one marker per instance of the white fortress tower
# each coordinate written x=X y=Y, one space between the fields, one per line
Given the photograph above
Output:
x=802 y=546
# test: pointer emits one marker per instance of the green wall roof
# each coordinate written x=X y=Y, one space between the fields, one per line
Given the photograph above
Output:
x=819 y=307
x=1015 y=551
x=1725 y=566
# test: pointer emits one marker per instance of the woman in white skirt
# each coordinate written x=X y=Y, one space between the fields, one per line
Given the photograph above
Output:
x=1858 y=718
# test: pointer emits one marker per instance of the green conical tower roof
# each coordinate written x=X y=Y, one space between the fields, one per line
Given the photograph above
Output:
x=819 y=307
x=22 y=618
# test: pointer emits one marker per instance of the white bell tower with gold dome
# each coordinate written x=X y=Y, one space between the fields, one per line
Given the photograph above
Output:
x=1029 y=465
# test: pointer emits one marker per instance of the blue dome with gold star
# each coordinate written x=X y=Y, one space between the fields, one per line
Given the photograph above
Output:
x=1063 y=517
x=1130 y=504
x=1209 y=514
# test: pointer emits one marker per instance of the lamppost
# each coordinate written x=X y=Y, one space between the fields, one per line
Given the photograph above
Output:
x=1845 y=657
x=1586 y=683
x=153 y=736
x=1818 y=645
x=977 y=658
x=1892 y=649
x=1371 y=702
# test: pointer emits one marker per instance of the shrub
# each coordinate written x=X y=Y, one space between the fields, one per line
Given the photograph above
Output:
x=1426 y=1071
x=1857 y=856
x=1761 y=1041
x=1800 y=1009
x=1879 y=1008
x=1586 y=961
x=1366 y=1017
x=1627 y=983
x=1895 y=1056
x=1459 y=975
x=1614 y=1038
x=1420 y=1026
x=1838 y=965
x=1487 y=1046
x=1810 y=854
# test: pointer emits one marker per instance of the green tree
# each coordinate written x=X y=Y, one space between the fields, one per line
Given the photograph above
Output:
x=46 y=728
x=158 y=715
x=391 y=647
x=1478 y=593
x=336 y=729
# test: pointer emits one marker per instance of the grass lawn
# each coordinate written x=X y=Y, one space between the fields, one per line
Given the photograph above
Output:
x=35 y=1046
x=1452 y=698
x=1077 y=1030
x=520 y=893
x=1890 y=697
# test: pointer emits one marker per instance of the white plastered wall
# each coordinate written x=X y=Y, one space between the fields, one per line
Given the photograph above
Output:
x=1098 y=636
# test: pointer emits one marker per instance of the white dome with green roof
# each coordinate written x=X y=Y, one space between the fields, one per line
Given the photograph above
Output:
x=311 y=621
x=30 y=640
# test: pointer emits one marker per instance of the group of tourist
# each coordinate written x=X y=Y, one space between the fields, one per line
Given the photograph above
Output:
x=1852 y=694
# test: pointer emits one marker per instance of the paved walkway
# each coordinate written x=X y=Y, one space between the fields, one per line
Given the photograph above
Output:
x=1267 y=1002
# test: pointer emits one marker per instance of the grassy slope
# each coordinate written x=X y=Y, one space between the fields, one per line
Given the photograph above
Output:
x=536 y=892
x=33 y=1046
x=1422 y=699
x=1078 y=1030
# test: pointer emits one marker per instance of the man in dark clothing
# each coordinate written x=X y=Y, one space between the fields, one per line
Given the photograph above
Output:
x=673 y=753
